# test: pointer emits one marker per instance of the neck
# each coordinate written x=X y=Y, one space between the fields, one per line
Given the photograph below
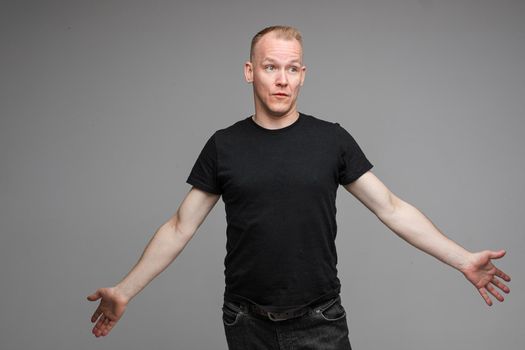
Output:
x=270 y=121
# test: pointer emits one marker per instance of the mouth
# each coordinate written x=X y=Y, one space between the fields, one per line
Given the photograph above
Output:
x=281 y=95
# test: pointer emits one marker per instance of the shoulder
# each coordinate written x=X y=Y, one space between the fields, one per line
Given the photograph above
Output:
x=330 y=128
x=341 y=134
x=319 y=123
x=233 y=128
x=232 y=135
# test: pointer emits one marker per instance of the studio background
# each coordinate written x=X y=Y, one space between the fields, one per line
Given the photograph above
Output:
x=105 y=106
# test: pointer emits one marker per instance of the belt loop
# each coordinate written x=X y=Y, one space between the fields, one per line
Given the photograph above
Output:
x=242 y=307
x=272 y=317
x=326 y=305
x=276 y=316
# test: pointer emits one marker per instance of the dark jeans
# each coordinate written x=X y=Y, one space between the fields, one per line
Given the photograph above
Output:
x=324 y=327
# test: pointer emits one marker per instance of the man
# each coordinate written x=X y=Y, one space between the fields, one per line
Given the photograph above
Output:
x=278 y=172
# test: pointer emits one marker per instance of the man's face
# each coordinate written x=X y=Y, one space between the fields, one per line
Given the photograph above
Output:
x=277 y=74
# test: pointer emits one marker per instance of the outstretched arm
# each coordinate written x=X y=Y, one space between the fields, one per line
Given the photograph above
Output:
x=167 y=243
x=414 y=227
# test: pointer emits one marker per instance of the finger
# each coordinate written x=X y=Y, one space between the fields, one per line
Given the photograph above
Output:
x=497 y=255
x=96 y=314
x=485 y=296
x=96 y=331
x=500 y=285
x=503 y=275
x=94 y=296
x=103 y=327
x=108 y=328
x=100 y=323
x=494 y=292
x=99 y=327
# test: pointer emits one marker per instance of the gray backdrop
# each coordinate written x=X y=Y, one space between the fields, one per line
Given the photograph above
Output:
x=105 y=106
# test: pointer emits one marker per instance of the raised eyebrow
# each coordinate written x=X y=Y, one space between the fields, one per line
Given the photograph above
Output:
x=273 y=61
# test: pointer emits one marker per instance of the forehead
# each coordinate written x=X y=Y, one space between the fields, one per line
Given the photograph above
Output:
x=278 y=49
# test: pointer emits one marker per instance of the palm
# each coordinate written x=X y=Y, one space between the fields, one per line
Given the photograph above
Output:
x=482 y=274
x=110 y=309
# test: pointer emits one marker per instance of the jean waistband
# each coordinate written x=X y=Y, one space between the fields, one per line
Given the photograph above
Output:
x=285 y=314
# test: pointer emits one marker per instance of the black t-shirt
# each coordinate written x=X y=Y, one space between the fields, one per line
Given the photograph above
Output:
x=279 y=189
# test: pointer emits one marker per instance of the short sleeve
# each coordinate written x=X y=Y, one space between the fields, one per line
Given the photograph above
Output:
x=203 y=175
x=352 y=161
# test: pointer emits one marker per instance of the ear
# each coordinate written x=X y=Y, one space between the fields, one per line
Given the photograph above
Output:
x=303 y=74
x=248 y=71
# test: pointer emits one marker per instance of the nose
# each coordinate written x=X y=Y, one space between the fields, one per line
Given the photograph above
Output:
x=281 y=79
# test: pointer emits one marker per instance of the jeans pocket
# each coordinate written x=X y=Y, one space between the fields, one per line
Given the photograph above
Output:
x=231 y=313
x=332 y=311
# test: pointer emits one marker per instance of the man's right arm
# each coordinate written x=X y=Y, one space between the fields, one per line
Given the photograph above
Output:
x=165 y=245
x=169 y=240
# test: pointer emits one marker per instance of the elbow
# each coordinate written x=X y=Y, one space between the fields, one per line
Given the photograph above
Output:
x=180 y=228
x=389 y=209
x=173 y=225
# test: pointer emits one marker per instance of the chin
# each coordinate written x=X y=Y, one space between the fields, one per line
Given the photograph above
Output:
x=280 y=109
x=279 y=112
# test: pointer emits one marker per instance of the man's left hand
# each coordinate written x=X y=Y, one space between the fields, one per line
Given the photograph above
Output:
x=482 y=274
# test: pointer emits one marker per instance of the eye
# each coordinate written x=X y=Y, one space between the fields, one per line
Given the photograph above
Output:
x=294 y=69
x=269 y=67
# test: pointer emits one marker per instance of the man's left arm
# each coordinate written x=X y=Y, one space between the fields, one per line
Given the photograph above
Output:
x=414 y=227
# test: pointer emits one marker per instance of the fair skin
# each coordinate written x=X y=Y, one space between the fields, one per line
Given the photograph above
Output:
x=277 y=68
x=167 y=243
x=276 y=112
x=415 y=228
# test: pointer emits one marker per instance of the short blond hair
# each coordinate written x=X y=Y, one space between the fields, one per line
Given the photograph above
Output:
x=281 y=32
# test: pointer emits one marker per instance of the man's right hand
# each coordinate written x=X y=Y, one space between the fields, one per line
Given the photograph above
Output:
x=164 y=247
x=110 y=310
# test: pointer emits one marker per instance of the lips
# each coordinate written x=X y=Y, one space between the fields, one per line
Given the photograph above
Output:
x=281 y=94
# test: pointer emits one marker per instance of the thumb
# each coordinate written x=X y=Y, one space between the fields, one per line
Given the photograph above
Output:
x=94 y=296
x=497 y=254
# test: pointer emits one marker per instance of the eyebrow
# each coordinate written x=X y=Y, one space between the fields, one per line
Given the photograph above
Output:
x=272 y=60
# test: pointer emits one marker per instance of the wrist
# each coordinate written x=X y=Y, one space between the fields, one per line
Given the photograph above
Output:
x=124 y=293
x=465 y=263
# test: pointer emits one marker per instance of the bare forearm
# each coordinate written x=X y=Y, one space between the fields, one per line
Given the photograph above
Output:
x=163 y=248
x=414 y=227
